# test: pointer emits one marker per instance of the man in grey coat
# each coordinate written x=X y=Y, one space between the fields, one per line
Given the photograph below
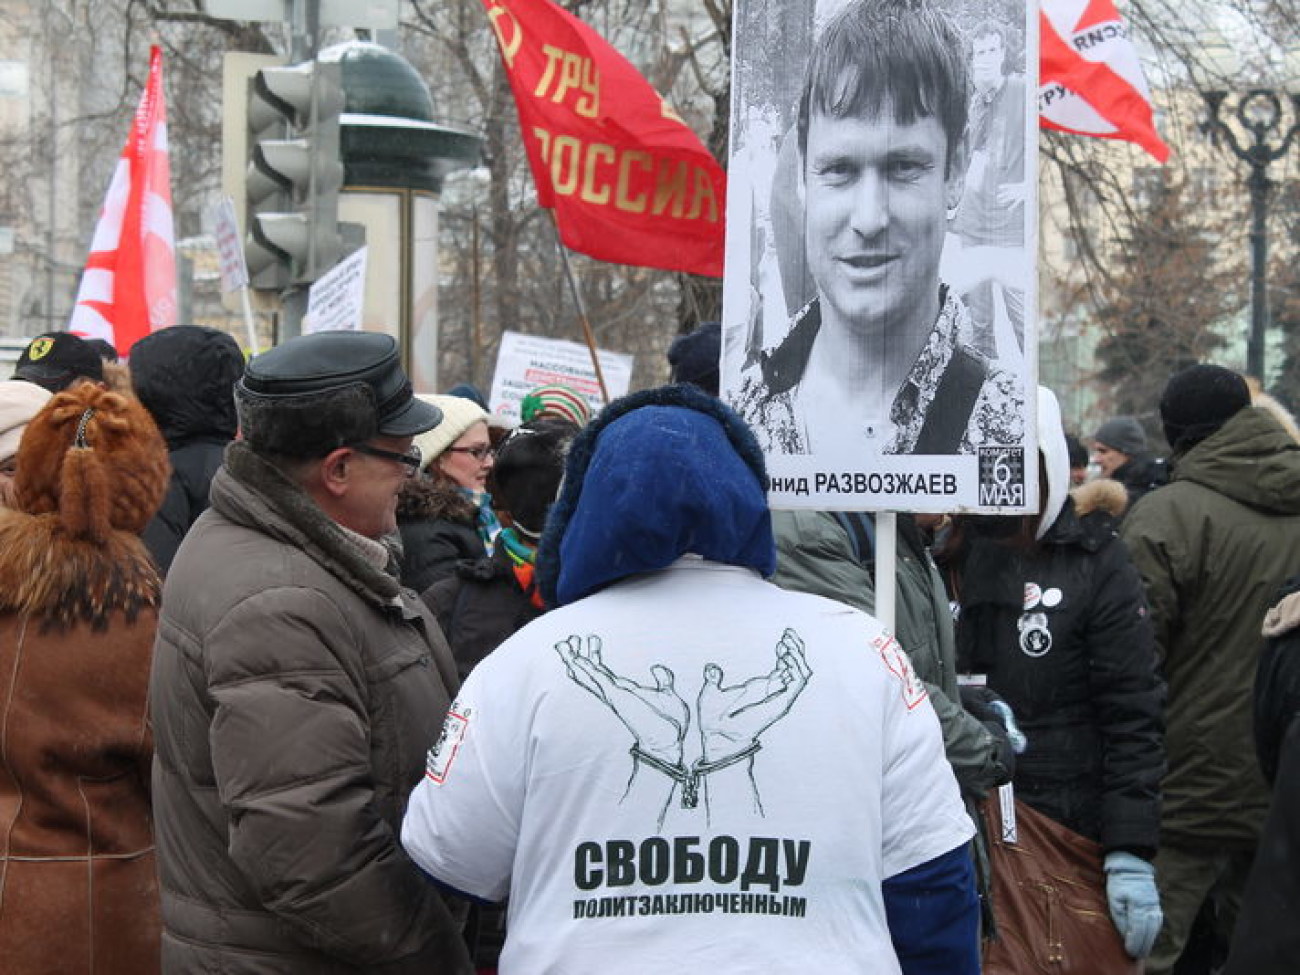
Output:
x=296 y=685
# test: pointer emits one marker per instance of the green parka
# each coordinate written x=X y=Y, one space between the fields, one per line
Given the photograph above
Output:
x=1212 y=547
x=814 y=554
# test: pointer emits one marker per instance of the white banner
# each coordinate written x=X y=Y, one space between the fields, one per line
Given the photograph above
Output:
x=879 y=304
x=525 y=362
x=336 y=301
x=230 y=251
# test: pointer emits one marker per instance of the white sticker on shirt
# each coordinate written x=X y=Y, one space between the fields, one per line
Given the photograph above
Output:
x=438 y=764
x=898 y=664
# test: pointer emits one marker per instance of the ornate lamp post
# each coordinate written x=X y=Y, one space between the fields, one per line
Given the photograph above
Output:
x=1266 y=135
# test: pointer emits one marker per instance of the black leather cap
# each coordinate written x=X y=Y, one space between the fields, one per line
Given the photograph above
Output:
x=323 y=361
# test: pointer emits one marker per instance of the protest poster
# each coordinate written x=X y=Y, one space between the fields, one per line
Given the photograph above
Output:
x=879 y=300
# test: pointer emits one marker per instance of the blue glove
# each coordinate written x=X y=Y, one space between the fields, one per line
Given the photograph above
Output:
x=1134 y=901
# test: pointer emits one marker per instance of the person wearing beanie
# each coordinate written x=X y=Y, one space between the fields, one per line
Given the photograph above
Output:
x=666 y=734
x=445 y=513
x=1053 y=615
x=694 y=357
x=1120 y=452
x=554 y=401
x=185 y=376
x=19 y=402
x=296 y=684
x=78 y=615
x=1213 y=546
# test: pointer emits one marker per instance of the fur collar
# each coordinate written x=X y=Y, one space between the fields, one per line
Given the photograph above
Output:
x=61 y=580
x=1103 y=494
x=434 y=498
x=262 y=498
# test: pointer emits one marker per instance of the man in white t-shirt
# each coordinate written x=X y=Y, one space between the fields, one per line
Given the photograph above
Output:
x=682 y=763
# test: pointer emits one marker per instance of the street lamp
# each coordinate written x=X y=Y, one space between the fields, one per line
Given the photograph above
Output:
x=1266 y=136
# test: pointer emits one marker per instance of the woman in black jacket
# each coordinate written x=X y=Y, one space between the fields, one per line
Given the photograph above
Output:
x=445 y=514
x=1053 y=619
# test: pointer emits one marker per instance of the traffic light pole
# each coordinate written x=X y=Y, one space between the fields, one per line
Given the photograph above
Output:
x=304 y=42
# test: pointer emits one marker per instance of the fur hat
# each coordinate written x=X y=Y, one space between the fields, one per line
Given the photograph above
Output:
x=458 y=415
x=1198 y=401
x=94 y=459
x=314 y=393
x=19 y=402
x=555 y=401
x=92 y=470
x=1122 y=433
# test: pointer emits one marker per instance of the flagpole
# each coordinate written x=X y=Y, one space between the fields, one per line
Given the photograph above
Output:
x=582 y=311
x=248 y=321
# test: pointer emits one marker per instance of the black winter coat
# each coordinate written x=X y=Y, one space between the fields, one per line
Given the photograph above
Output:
x=478 y=607
x=185 y=378
x=1266 y=940
x=1062 y=633
x=438 y=524
x=1141 y=475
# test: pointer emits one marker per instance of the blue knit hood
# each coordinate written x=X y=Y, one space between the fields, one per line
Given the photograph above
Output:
x=656 y=475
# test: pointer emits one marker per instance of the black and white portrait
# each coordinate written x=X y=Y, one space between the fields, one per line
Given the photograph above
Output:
x=878 y=305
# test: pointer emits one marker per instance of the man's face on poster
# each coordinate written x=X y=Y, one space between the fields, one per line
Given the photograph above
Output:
x=876 y=197
x=987 y=54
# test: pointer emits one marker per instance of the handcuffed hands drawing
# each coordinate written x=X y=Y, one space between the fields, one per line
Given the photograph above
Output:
x=730 y=718
x=656 y=716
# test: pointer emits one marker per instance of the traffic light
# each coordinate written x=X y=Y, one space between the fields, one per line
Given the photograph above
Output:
x=294 y=174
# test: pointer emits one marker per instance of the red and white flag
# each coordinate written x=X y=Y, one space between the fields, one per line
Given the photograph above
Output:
x=629 y=181
x=1090 y=79
x=129 y=286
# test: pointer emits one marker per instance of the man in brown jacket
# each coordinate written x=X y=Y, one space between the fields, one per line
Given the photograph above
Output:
x=296 y=685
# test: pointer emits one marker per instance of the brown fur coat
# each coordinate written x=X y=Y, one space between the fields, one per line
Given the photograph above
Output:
x=78 y=613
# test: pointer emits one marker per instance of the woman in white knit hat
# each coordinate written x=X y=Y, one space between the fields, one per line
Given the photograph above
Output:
x=445 y=514
x=19 y=402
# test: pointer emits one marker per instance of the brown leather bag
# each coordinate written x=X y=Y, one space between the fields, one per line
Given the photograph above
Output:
x=1049 y=901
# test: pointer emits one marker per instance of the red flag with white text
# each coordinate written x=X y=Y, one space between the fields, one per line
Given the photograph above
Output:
x=1090 y=78
x=629 y=181
x=129 y=286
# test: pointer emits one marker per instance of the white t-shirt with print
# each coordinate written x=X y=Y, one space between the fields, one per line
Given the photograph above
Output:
x=691 y=767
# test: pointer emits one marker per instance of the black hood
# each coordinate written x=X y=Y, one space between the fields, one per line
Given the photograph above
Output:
x=185 y=376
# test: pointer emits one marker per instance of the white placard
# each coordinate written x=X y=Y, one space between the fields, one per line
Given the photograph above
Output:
x=230 y=252
x=525 y=362
x=879 y=301
x=336 y=301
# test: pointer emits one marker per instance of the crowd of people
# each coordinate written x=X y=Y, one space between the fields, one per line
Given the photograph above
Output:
x=424 y=691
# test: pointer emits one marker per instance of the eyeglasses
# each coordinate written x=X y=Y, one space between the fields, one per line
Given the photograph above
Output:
x=411 y=461
x=479 y=453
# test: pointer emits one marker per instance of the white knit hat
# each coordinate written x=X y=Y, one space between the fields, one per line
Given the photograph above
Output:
x=458 y=415
x=19 y=402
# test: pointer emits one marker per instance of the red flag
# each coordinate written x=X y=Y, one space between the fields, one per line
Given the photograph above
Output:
x=629 y=181
x=1090 y=79
x=129 y=285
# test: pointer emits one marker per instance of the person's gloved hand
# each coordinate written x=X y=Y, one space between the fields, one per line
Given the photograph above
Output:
x=987 y=706
x=1134 y=901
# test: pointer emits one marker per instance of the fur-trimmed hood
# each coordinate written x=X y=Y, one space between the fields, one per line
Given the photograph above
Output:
x=1103 y=494
x=426 y=497
x=92 y=470
x=657 y=475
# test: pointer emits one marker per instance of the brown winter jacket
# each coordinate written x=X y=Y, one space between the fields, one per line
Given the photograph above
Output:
x=296 y=688
x=78 y=612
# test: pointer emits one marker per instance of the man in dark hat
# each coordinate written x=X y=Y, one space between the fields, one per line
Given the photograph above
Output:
x=662 y=742
x=296 y=684
x=1119 y=448
x=56 y=360
x=1212 y=547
